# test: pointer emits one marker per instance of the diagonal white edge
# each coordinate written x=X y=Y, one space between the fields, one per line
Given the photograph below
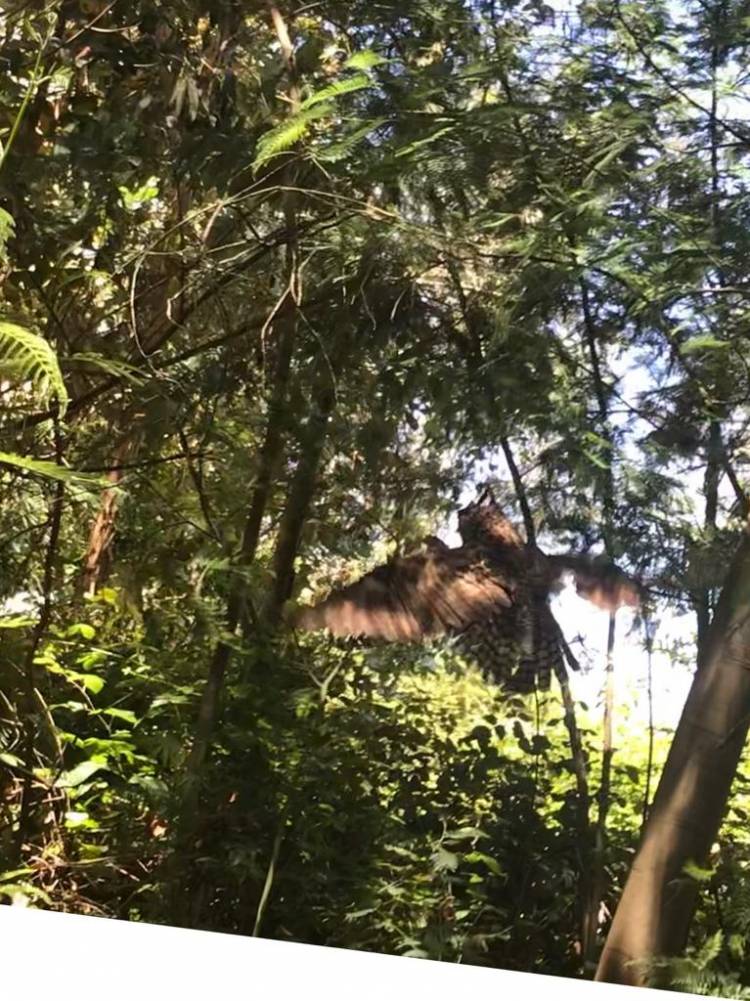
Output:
x=69 y=957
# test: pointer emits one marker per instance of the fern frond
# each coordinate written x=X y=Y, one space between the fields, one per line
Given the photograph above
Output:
x=346 y=86
x=341 y=149
x=28 y=356
x=7 y=225
x=112 y=366
x=285 y=135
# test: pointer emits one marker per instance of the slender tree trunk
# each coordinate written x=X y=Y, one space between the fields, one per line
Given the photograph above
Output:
x=714 y=447
x=657 y=905
x=270 y=454
x=523 y=503
x=711 y=494
x=285 y=319
x=470 y=349
x=293 y=519
x=597 y=880
x=583 y=799
x=98 y=560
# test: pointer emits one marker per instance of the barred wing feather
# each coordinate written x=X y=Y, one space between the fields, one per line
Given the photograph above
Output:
x=412 y=597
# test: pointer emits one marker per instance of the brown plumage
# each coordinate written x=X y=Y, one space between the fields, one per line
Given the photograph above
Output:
x=491 y=594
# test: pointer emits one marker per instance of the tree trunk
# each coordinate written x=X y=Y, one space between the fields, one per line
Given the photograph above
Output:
x=270 y=455
x=714 y=451
x=598 y=876
x=298 y=503
x=654 y=913
x=285 y=318
x=98 y=560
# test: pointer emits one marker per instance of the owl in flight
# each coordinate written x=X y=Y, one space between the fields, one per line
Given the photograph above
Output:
x=490 y=594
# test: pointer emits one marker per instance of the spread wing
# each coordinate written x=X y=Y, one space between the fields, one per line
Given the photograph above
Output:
x=600 y=582
x=411 y=597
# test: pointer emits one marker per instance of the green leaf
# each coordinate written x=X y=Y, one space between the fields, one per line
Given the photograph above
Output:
x=137 y=198
x=364 y=60
x=27 y=356
x=52 y=471
x=91 y=682
x=7 y=226
x=79 y=774
x=104 y=596
x=124 y=714
x=81 y=629
x=487 y=860
x=79 y=820
x=444 y=861
x=462 y=833
x=16 y=622
x=702 y=342
x=14 y=874
x=697 y=872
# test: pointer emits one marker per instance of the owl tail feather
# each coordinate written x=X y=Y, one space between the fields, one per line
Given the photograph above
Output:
x=542 y=654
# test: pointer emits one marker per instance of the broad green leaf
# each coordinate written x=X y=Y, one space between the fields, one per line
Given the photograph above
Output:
x=79 y=820
x=124 y=714
x=364 y=60
x=177 y=699
x=487 y=860
x=79 y=774
x=104 y=596
x=81 y=629
x=91 y=682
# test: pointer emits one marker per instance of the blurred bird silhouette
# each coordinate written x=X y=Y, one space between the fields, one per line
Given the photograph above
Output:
x=491 y=595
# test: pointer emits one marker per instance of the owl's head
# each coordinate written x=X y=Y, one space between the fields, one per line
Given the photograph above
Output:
x=483 y=522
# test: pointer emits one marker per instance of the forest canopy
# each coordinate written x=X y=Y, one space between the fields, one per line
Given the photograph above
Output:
x=281 y=287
